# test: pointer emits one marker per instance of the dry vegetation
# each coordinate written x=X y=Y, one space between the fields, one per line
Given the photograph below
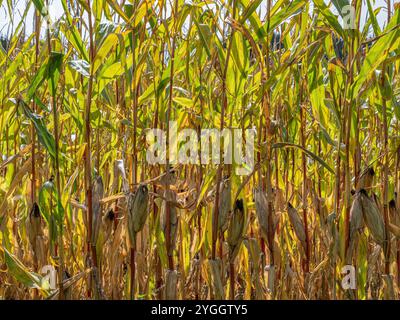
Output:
x=77 y=193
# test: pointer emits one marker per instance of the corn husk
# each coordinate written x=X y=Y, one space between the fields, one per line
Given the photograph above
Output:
x=137 y=212
x=195 y=270
x=267 y=219
x=389 y=289
x=262 y=211
x=235 y=230
x=254 y=250
x=36 y=236
x=34 y=227
x=277 y=255
x=119 y=171
x=169 y=178
x=376 y=200
x=279 y=200
x=108 y=221
x=170 y=196
x=35 y=222
x=218 y=288
x=366 y=179
x=374 y=276
x=319 y=206
x=356 y=216
x=271 y=279
x=225 y=203
x=97 y=195
x=356 y=225
x=297 y=224
x=372 y=218
x=394 y=214
x=171 y=280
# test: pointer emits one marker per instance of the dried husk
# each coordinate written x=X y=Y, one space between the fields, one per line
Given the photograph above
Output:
x=319 y=206
x=119 y=170
x=375 y=199
x=332 y=238
x=137 y=212
x=235 y=230
x=374 y=276
x=36 y=236
x=216 y=277
x=372 y=218
x=393 y=213
x=170 y=195
x=389 y=288
x=35 y=222
x=169 y=178
x=356 y=216
x=117 y=254
x=366 y=179
x=225 y=203
x=97 y=195
x=297 y=224
x=356 y=225
x=277 y=254
x=271 y=279
x=171 y=279
x=262 y=211
x=254 y=250
x=108 y=222
x=195 y=270
x=279 y=200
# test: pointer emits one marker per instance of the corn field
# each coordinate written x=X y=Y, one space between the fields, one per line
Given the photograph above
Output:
x=84 y=215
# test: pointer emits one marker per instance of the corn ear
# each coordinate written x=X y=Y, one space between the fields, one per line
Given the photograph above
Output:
x=36 y=236
x=356 y=216
x=297 y=224
x=108 y=221
x=262 y=211
x=35 y=222
x=235 y=230
x=394 y=214
x=356 y=225
x=373 y=218
x=170 y=196
x=137 y=212
x=366 y=179
x=218 y=287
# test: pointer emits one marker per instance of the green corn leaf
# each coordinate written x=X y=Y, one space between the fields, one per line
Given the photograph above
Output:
x=53 y=71
x=23 y=275
x=41 y=7
x=307 y=152
x=45 y=137
x=378 y=53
